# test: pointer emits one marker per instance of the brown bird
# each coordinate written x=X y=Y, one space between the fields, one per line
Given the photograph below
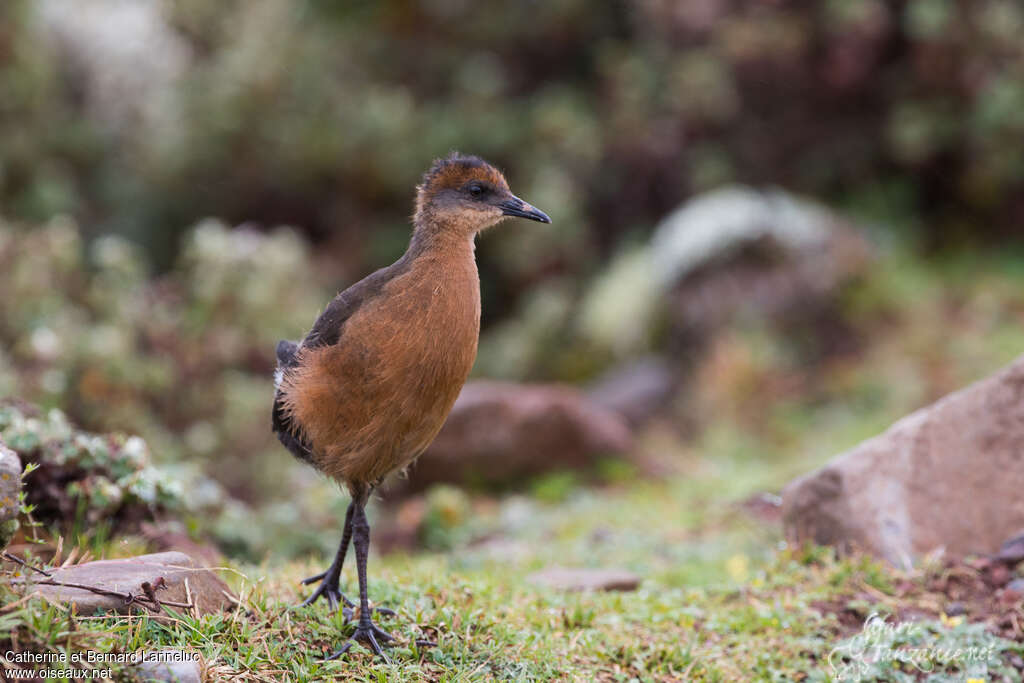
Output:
x=367 y=390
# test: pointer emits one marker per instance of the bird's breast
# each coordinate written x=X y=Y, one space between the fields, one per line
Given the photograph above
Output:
x=375 y=400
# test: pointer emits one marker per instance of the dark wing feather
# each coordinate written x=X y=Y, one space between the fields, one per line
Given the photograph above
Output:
x=328 y=327
x=286 y=358
x=327 y=330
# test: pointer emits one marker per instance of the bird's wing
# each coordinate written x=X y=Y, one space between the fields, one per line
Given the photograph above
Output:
x=326 y=331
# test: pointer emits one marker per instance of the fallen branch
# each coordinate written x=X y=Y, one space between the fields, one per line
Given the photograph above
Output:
x=23 y=563
x=148 y=599
x=128 y=598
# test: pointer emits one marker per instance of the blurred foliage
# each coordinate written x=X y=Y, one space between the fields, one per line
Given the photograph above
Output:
x=133 y=122
x=142 y=118
x=80 y=478
x=184 y=359
x=447 y=510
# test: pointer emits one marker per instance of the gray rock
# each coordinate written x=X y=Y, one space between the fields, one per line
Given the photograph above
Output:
x=638 y=390
x=566 y=579
x=1012 y=551
x=948 y=476
x=955 y=609
x=717 y=223
x=1017 y=586
x=738 y=251
x=501 y=432
x=170 y=666
x=10 y=487
x=208 y=592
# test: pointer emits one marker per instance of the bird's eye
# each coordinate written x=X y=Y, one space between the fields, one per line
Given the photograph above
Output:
x=476 y=191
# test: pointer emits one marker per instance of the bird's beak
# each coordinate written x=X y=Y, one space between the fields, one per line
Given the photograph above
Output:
x=514 y=206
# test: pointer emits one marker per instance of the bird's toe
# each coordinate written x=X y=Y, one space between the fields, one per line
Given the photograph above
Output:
x=369 y=633
x=313 y=579
x=329 y=588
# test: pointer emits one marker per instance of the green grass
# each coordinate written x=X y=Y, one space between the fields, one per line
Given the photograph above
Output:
x=722 y=599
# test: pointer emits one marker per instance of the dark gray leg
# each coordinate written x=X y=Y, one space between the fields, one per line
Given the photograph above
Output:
x=366 y=630
x=329 y=580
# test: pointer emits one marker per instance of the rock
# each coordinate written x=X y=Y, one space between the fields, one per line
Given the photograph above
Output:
x=500 y=432
x=562 y=578
x=209 y=593
x=948 y=476
x=10 y=487
x=1012 y=551
x=955 y=609
x=638 y=390
x=740 y=251
x=170 y=666
x=997 y=575
x=1017 y=586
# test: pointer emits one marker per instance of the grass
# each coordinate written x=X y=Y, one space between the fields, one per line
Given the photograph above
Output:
x=723 y=598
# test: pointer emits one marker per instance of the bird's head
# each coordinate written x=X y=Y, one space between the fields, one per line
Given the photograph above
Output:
x=465 y=194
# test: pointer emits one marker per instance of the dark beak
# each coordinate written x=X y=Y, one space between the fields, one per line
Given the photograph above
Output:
x=514 y=206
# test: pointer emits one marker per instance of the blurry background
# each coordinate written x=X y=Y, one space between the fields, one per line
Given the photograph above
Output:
x=183 y=183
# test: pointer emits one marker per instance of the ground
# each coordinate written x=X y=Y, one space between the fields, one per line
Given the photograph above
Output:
x=723 y=599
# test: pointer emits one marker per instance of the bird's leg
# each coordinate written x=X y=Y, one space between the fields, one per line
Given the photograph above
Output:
x=329 y=580
x=366 y=630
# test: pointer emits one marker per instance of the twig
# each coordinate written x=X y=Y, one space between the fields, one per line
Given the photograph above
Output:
x=25 y=564
x=128 y=598
x=26 y=598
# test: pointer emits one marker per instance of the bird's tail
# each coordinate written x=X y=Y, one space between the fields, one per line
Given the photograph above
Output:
x=286 y=351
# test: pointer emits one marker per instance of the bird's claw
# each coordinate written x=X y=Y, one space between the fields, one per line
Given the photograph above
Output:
x=369 y=633
x=313 y=579
x=329 y=589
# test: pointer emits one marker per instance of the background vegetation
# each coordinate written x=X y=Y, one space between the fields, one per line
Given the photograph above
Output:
x=183 y=183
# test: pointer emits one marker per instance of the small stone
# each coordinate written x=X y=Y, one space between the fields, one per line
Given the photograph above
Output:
x=1017 y=586
x=566 y=579
x=170 y=666
x=207 y=591
x=998 y=575
x=955 y=609
x=1012 y=551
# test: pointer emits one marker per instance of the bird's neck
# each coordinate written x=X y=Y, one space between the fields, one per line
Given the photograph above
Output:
x=445 y=262
x=441 y=241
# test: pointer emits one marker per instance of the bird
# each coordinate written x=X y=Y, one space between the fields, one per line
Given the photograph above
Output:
x=365 y=392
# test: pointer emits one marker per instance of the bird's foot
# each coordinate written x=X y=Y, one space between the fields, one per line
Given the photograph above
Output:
x=369 y=633
x=349 y=611
x=329 y=588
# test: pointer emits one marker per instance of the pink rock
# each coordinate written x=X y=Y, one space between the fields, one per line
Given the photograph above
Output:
x=206 y=590
x=499 y=432
x=948 y=476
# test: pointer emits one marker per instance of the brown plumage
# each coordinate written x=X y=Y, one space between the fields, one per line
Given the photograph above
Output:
x=369 y=387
